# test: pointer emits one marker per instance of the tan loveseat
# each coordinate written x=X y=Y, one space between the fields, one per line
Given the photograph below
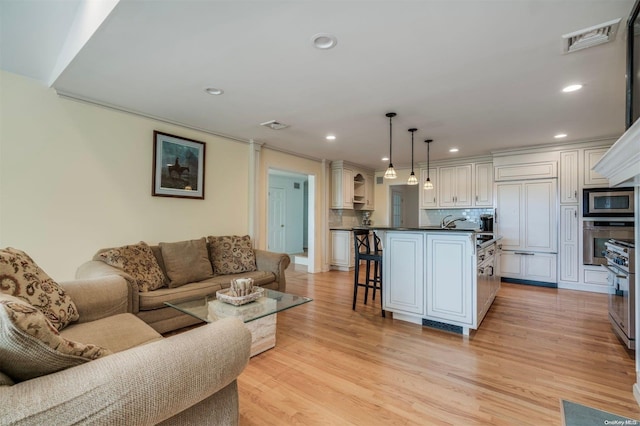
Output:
x=149 y=305
x=189 y=378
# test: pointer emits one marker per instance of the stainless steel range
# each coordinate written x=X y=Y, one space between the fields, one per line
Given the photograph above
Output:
x=621 y=266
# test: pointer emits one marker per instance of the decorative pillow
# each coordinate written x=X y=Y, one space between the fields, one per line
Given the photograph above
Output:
x=22 y=278
x=30 y=346
x=186 y=261
x=138 y=261
x=232 y=254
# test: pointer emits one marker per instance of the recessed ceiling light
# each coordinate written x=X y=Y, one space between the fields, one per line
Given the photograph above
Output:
x=385 y=158
x=331 y=138
x=324 y=41
x=454 y=150
x=572 y=88
x=214 y=91
x=560 y=135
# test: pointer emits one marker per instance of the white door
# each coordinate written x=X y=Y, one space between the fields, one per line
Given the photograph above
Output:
x=396 y=208
x=508 y=215
x=276 y=219
x=540 y=217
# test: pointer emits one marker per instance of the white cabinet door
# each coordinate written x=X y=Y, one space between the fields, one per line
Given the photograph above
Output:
x=369 y=192
x=455 y=186
x=591 y=157
x=347 y=188
x=484 y=185
x=428 y=197
x=341 y=249
x=450 y=292
x=336 y=188
x=526 y=215
x=404 y=261
x=529 y=266
x=569 y=177
x=540 y=217
x=568 y=256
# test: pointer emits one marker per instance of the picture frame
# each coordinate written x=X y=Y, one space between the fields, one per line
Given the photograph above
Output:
x=178 y=166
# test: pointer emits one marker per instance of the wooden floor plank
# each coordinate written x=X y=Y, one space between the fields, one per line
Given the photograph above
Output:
x=536 y=346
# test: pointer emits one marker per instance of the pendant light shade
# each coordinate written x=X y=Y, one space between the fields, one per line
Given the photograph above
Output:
x=428 y=184
x=412 y=178
x=391 y=172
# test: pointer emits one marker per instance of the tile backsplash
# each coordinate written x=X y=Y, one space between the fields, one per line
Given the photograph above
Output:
x=434 y=217
x=345 y=218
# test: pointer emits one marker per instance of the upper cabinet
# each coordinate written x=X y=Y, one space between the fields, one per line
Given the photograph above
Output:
x=592 y=178
x=428 y=197
x=351 y=187
x=455 y=186
x=569 y=177
x=483 y=185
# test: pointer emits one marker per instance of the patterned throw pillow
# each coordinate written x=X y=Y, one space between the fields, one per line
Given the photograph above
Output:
x=232 y=254
x=22 y=278
x=30 y=346
x=138 y=261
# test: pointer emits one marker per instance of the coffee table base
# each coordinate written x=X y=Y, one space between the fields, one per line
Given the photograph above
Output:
x=263 y=334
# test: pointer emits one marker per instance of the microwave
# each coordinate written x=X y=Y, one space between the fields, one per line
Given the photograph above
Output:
x=607 y=202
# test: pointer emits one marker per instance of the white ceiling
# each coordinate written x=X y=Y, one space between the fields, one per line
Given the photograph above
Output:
x=480 y=75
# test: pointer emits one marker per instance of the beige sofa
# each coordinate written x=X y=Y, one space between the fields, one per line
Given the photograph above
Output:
x=149 y=305
x=189 y=378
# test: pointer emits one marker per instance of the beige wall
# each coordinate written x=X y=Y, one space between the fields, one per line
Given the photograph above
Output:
x=75 y=177
x=282 y=161
x=381 y=215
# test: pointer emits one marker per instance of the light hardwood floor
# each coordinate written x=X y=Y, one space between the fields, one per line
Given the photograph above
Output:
x=536 y=346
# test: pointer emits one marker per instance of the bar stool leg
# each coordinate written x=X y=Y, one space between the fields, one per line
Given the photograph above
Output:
x=367 y=282
x=355 y=283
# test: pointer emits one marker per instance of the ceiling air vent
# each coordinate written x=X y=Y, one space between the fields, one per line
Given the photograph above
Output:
x=275 y=125
x=591 y=36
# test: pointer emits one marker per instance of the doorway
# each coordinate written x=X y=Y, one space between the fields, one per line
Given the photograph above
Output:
x=403 y=208
x=290 y=216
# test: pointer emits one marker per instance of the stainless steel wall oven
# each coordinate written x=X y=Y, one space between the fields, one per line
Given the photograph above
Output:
x=597 y=233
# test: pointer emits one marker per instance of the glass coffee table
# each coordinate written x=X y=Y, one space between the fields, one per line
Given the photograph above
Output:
x=260 y=316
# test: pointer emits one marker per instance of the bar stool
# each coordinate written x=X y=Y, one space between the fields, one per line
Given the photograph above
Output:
x=363 y=252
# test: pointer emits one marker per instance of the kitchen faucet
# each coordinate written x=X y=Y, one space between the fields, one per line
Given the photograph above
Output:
x=445 y=224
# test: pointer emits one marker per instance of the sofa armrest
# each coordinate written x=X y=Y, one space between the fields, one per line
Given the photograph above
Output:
x=273 y=262
x=143 y=385
x=97 y=269
x=99 y=297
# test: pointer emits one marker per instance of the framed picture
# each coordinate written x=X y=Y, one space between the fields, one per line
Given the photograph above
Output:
x=178 y=166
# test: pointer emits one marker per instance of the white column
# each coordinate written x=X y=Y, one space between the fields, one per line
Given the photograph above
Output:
x=254 y=174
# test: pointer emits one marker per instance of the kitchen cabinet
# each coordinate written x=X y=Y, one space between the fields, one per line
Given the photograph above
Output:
x=534 y=170
x=488 y=279
x=369 y=192
x=568 y=255
x=455 y=186
x=342 y=250
x=528 y=266
x=569 y=177
x=341 y=188
x=483 y=185
x=404 y=273
x=526 y=219
x=428 y=197
x=351 y=187
x=450 y=278
x=592 y=178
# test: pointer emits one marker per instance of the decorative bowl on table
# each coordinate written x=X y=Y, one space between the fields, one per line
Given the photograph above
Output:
x=241 y=291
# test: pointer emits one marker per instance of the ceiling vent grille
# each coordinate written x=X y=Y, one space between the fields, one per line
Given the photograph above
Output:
x=591 y=36
x=275 y=125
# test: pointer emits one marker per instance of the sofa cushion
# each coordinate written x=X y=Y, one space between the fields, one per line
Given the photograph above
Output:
x=30 y=346
x=186 y=261
x=22 y=278
x=116 y=333
x=5 y=380
x=155 y=299
x=232 y=254
x=138 y=261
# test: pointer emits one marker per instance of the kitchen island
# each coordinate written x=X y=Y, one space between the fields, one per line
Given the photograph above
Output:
x=443 y=278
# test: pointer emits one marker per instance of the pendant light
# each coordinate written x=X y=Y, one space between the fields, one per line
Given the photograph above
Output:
x=390 y=173
x=412 y=177
x=427 y=183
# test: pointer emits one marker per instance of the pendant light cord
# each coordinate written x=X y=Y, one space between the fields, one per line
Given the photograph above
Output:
x=390 y=141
